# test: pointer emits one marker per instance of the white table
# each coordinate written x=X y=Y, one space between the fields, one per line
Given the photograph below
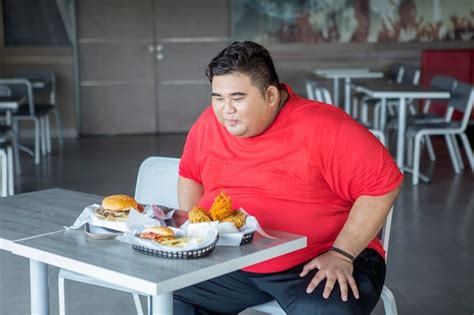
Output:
x=384 y=90
x=346 y=75
x=45 y=212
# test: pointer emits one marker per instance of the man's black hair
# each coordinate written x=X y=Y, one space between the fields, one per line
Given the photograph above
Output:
x=248 y=58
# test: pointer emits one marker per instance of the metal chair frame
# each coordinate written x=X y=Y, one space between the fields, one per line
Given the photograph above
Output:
x=50 y=88
x=462 y=99
x=23 y=87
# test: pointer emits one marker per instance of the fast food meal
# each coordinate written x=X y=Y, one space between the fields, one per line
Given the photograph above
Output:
x=198 y=214
x=238 y=219
x=117 y=207
x=221 y=210
x=221 y=207
x=164 y=236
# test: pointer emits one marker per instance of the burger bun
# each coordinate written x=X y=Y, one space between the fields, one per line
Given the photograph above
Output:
x=119 y=203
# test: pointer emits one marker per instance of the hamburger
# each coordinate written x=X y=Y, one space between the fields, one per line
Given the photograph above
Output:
x=117 y=207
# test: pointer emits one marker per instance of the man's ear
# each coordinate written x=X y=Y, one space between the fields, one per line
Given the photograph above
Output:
x=273 y=95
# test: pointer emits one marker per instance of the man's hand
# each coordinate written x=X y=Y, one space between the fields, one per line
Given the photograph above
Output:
x=333 y=267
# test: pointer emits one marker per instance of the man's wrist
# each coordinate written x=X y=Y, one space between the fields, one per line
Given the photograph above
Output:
x=347 y=255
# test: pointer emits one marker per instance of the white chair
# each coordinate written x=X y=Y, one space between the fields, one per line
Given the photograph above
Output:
x=462 y=99
x=8 y=136
x=7 y=176
x=49 y=88
x=318 y=93
x=438 y=82
x=8 y=150
x=23 y=88
x=157 y=183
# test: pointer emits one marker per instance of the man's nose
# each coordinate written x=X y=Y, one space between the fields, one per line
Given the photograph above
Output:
x=229 y=107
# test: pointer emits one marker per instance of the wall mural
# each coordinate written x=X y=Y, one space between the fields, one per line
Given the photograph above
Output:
x=343 y=21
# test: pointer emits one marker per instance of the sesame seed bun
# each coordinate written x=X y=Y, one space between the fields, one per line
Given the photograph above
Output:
x=119 y=203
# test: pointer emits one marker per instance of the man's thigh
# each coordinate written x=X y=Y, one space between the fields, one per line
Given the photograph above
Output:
x=290 y=290
x=228 y=294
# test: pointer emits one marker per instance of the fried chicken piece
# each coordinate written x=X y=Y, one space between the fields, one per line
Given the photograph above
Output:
x=221 y=207
x=238 y=219
x=198 y=214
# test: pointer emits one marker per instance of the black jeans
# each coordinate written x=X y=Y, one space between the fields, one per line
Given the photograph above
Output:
x=234 y=292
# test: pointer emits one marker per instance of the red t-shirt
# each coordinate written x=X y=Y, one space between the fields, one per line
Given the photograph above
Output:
x=301 y=175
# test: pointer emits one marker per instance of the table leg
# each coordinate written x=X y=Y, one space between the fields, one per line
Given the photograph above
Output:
x=39 y=291
x=347 y=95
x=336 y=91
x=401 y=132
x=162 y=304
x=8 y=117
x=383 y=114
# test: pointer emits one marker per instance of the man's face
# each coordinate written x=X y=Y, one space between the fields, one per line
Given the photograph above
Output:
x=240 y=106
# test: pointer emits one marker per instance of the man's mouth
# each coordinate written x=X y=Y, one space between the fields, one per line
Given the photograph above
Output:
x=231 y=122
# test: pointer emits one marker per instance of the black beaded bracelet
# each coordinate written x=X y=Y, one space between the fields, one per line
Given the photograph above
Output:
x=342 y=252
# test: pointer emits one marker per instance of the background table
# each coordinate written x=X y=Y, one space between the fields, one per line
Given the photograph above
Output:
x=383 y=90
x=110 y=260
x=347 y=75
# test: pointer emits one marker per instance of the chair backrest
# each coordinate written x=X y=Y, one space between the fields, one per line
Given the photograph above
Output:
x=443 y=82
x=462 y=98
x=384 y=234
x=318 y=93
x=157 y=181
x=310 y=86
x=5 y=91
x=22 y=88
x=411 y=74
x=395 y=73
x=41 y=75
x=322 y=94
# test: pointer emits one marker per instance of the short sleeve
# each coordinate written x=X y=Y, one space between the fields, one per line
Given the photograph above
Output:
x=189 y=164
x=358 y=164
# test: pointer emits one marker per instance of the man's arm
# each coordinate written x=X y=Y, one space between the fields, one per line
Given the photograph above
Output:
x=365 y=220
x=189 y=193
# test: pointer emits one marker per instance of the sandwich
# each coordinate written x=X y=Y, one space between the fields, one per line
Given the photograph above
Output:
x=157 y=233
x=164 y=236
x=117 y=207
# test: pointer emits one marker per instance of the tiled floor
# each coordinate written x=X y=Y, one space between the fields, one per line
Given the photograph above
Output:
x=431 y=260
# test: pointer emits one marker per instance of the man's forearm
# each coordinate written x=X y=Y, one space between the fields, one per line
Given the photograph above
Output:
x=365 y=220
x=189 y=193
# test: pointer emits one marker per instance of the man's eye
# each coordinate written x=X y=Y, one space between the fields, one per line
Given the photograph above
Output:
x=218 y=99
x=237 y=99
